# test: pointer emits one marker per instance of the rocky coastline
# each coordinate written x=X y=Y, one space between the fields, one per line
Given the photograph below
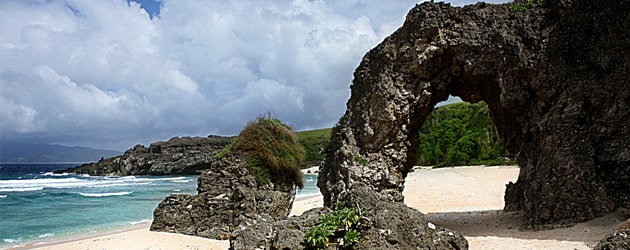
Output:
x=177 y=156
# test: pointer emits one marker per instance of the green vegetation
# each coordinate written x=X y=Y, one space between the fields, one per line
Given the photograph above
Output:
x=527 y=5
x=272 y=151
x=456 y=134
x=361 y=160
x=316 y=143
x=226 y=150
x=340 y=227
x=460 y=134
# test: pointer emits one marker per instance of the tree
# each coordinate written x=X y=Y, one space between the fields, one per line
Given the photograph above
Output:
x=460 y=134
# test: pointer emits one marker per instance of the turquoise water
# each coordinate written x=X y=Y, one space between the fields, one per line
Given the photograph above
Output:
x=37 y=205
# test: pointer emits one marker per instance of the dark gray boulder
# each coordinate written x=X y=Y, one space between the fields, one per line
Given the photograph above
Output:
x=227 y=194
x=617 y=240
x=397 y=226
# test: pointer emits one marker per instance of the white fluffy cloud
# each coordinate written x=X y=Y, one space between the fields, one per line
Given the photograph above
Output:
x=105 y=74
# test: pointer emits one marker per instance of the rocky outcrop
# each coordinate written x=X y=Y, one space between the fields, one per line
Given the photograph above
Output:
x=393 y=225
x=616 y=240
x=555 y=79
x=228 y=195
x=183 y=156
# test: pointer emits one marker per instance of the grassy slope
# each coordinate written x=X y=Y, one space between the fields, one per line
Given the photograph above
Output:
x=313 y=142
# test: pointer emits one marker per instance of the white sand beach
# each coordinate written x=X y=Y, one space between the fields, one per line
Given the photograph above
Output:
x=465 y=199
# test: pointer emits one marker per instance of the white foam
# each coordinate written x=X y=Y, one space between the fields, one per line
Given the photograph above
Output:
x=105 y=194
x=182 y=181
x=10 y=240
x=3 y=196
x=22 y=185
x=46 y=235
x=172 y=178
x=139 y=222
x=53 y=174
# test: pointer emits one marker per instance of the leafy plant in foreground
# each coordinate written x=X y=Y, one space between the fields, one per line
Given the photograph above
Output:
x=340 y=227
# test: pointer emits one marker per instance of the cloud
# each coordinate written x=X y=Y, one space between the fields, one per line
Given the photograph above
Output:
x=107 y=74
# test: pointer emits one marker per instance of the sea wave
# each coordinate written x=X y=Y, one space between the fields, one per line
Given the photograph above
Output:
x=46 y=235
x=104 y=194
x=17 y=185
x=53 y=174
x=172 y=178
x=20 y=189
x=10 y=240
x=3 y=196
x=139 y=222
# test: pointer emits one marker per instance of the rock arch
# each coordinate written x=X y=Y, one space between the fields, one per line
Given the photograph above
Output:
x=555 y=79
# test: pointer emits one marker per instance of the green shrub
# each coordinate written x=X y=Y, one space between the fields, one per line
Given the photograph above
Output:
x=339 y=227
x=361 y=160
x=260 y=171
x=272 y=151
x=527 y=5
x=226 y=150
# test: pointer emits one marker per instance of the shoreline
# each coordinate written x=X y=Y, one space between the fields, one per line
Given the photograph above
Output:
x=301 y=204
x=467 y=199
x=160 y=240
x=73 y=237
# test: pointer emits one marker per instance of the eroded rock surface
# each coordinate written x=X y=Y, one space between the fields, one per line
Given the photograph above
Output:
x=393 y=226
x=177 y=156
x=555 y=79
x=617 y=240
x=228 y=195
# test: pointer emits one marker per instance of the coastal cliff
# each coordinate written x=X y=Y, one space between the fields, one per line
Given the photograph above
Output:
x=183 y=156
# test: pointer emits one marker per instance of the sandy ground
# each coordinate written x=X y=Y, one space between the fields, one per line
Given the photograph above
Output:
x=465 y=199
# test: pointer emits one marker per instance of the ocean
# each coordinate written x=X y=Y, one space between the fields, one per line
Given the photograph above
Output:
x=39 y=206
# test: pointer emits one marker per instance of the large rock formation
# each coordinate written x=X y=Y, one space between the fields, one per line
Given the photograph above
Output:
x=228 y=195
x=555 y=78
x=254 y=177
x=186 y=155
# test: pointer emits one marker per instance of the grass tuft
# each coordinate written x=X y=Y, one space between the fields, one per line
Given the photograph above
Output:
x=273 y=151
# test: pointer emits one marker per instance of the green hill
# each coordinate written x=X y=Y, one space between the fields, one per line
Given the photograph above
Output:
x=315 y=143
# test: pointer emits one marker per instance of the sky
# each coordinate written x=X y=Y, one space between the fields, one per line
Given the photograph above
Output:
x=111 y=74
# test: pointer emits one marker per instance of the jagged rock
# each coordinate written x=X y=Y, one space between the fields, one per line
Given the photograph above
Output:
x=554 y=77
x=228 y=195
x=393 y=226
x=397 y=226
x=255 y=232
x=617 y=240
x=183 y=156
